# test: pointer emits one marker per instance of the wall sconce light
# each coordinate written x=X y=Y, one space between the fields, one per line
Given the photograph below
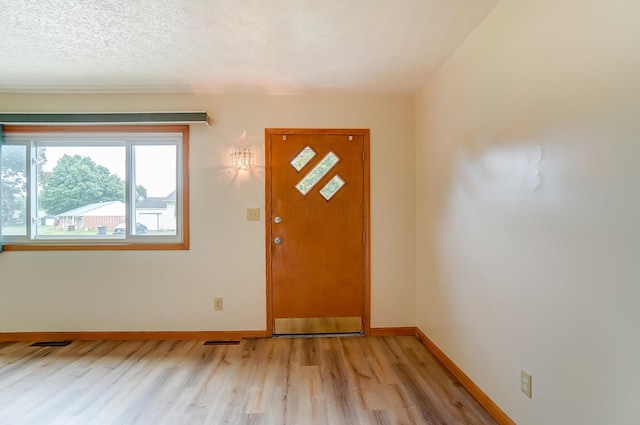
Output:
x=243 y=158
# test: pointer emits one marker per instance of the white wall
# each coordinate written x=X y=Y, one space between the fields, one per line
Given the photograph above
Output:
x=119 y=291
x=528 y=237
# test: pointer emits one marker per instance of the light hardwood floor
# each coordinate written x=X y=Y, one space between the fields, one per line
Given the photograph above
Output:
x=297 y=381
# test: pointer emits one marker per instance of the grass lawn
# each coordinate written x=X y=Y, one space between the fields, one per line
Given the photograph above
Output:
x=57 y=231
x=14 y=230
x=53 y=230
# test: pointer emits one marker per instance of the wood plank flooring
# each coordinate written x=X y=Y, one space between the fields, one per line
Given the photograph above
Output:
x=297 y=381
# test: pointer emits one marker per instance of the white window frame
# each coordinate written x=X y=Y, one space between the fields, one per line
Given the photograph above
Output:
x=125 y=136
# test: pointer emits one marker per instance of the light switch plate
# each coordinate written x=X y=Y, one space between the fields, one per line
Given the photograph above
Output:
x=253 y=214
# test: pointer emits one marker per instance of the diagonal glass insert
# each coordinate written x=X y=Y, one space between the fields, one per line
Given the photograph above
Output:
x=318 y=172
x=332 y=187
x=303 y=158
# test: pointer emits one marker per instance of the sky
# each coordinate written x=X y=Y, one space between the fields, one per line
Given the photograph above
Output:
x=155 y=165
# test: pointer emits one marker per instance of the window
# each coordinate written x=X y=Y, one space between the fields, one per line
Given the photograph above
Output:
x=94 y=187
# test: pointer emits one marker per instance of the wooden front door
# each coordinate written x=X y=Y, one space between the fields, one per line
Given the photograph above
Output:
x=317 y=225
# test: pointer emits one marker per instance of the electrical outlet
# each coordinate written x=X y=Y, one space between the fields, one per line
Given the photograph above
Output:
x=525 y=383
x=217 y=304
x=253 y=214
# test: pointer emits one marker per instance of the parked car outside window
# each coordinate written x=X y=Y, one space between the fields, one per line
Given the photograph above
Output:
x=121 y=229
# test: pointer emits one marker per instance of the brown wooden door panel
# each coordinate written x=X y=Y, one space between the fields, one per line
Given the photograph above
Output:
x=318 y=271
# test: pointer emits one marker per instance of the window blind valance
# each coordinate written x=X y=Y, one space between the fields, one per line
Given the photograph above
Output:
x=104 y=118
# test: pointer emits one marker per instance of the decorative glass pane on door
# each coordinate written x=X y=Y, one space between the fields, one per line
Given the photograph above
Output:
x=303 y=158
x=318 y=172
x=332 y=187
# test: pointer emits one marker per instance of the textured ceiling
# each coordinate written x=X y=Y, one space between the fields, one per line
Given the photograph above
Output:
x=271 y=46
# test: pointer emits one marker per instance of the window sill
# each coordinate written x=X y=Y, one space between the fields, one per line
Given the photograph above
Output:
x=99 y=247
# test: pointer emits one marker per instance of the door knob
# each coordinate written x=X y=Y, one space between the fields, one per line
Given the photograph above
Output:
x=278 y=240
x=277 y=220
